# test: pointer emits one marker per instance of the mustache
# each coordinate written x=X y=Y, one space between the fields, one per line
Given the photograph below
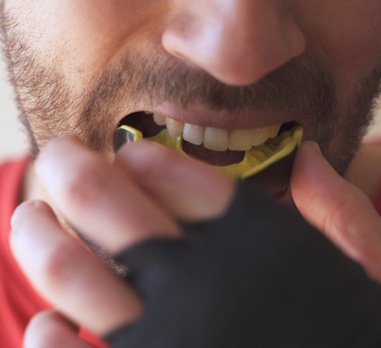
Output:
x=301 y=86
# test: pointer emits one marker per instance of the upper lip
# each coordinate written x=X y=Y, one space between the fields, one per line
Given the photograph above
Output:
x=223 y=119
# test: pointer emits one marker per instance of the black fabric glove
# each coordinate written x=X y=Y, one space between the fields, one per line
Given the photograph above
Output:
x=258 y=277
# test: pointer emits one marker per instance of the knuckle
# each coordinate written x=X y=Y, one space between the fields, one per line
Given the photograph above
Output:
x=84 y=184
x=345 y=224
x=344 y=213
x=334 y=220
x=56 y=265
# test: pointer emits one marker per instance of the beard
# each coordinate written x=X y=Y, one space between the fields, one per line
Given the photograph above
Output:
x=49 y=109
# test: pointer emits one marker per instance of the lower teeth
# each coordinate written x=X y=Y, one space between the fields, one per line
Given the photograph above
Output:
x=254 y=160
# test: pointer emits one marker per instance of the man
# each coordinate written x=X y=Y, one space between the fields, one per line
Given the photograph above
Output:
x=215 y=73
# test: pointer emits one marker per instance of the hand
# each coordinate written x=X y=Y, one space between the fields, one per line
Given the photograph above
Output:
x=337 y=208
x=44 y=252
x=142 y=195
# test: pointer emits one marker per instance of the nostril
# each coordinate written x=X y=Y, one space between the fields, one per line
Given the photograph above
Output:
x=171 y=47
x=295 y=38
x=238 y=42
x=175 y=39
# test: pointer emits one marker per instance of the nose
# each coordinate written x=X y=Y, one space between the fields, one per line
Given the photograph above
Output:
x=236 y=41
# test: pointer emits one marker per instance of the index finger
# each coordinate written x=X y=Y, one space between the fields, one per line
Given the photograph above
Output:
x=99 y=200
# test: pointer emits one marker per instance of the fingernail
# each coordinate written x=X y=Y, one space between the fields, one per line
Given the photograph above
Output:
x=56 y=161
x=19 y=214
x=137 y=149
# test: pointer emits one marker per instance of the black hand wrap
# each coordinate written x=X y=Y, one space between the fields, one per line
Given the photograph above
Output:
x=152 y=264
x=257 y=277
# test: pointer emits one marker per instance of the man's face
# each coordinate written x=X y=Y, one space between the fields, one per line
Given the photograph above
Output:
x=82 y=66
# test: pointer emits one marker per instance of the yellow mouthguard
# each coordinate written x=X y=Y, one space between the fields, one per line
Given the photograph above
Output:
x=256 y=159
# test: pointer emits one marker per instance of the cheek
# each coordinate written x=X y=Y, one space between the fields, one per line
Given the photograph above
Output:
x=356 y=47
x=345 y=36
x=81 y=37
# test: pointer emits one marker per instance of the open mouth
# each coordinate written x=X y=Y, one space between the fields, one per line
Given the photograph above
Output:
x=241 y=153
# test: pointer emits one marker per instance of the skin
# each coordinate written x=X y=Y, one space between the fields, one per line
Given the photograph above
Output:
x=78 y=49
x=50 y=257
x=83 y=74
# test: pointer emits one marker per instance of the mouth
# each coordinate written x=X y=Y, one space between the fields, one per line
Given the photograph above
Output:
x=241 y=153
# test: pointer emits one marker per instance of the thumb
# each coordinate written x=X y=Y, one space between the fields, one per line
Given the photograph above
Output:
x=337 y=208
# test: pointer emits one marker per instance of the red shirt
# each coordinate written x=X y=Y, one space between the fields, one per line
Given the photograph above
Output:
x=18 y=300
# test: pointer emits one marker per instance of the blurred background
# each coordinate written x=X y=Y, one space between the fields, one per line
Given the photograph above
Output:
x=13 y=140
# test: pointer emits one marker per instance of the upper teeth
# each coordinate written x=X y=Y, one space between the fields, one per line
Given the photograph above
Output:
x=215 y=138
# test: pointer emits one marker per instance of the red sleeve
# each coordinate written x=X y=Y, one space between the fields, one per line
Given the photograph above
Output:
x=18 y=300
